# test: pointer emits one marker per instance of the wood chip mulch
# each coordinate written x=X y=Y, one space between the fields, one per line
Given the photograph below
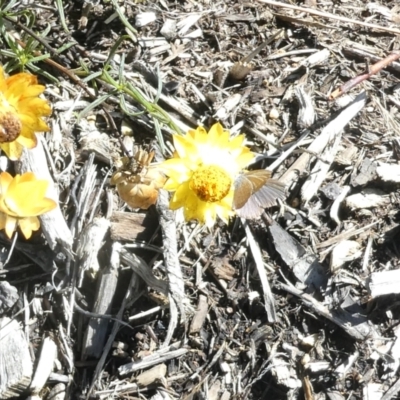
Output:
x=302 y=303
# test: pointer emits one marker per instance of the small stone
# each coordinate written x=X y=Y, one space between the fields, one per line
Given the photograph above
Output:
x=274 y=113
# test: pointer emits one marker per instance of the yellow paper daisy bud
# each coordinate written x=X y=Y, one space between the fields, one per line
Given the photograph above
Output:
x=137 y=181
x=22 y=199
x=202 y=173
x=21 y=112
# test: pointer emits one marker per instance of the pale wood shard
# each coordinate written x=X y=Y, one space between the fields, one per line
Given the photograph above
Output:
x=343 y=252
x=269 y=301
x=214 y=391
x=162 y=355
x=389 y=173
x=368 y=198
x=200 y=315
x=318 y=58
x=284 y=374
x=48 y=355
x=226 y=108
x=145 y=18
x=53 y=223
x=90 y=242
x=15 y=360
x=335 y=396
x=343 y=369
x=374 y=391
x=8 y=296
x=331 y=135
x=383 y=283
x=155 y=375
x=391 y=364
x=96 y=332
x=306 y=114
x=334 y=212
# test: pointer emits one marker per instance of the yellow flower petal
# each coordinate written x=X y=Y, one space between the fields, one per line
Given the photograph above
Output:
x=22 y=199
x=27 y=225
x=13 y=150
x=5 y=180
x=10 y=225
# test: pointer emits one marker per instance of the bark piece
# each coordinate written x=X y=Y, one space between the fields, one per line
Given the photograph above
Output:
x=366 y=174
x=129 y=226
x=15 y=360
x=305 y=266
x=90 y=242
x=95 y=335
x=223 y=269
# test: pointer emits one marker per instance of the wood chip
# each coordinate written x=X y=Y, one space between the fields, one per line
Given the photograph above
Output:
x=15 y=360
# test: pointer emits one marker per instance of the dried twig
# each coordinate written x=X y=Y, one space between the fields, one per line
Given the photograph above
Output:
x=337 y=318
x=373 y=69
x=268 y=297
x=329 y=15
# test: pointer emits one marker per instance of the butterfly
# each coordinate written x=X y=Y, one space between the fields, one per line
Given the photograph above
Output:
x=254 y=191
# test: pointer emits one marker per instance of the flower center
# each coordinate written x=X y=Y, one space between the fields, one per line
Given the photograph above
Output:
x=210 y=183
x=10 y=126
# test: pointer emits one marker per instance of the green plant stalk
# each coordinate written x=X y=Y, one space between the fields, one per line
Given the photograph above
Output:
x=152 y=108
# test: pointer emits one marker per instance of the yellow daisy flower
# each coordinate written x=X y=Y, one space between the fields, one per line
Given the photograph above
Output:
x=21 y=112
x=21 y=201
x=202 y=173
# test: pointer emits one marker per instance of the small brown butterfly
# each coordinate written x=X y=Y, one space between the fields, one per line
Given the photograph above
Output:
x=254 y=191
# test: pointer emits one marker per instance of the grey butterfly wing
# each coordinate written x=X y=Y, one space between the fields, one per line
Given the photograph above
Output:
x=267 y=195
x=251 y=210
x=264 y=197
